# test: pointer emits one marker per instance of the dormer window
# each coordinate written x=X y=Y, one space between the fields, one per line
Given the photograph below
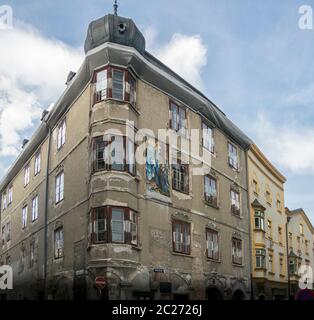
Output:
x=115 y=83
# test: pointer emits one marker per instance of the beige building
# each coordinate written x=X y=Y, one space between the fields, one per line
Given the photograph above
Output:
x=300 y=245
x=77 y=209
x=268 y=223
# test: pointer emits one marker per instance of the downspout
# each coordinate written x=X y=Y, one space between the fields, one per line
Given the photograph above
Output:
x=46 y=214
x=250 y=229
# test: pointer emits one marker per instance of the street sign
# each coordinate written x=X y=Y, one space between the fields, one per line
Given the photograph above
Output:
x=100 y=282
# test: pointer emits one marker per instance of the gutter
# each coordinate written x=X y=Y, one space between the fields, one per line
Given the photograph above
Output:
x=46 y=213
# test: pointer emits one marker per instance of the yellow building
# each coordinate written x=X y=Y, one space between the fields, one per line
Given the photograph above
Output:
x=268 y=228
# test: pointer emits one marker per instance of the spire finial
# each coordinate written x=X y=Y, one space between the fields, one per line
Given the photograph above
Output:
x=115 y=7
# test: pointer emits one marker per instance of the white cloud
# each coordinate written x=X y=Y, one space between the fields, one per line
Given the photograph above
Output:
x=287 y=145
x=186 y=55
x=33 y=71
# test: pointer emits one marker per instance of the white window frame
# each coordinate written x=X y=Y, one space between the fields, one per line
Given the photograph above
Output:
x=4 y=201
x=10 y=195
x=61 y=134
x=37 y=163
x=34 y=208
x=58 y=243
x=27 y=170
x=233 y=156
x=59 y=190
x=24 y=217
x=208 y=138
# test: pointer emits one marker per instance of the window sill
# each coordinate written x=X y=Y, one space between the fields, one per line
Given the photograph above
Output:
x=237 y=265
x=260 y=269
x=211 y=204
x=271 y=273
x=282 y=275
x=214 y=260
x=185 y=193
x=182 y=254
x=259 y=230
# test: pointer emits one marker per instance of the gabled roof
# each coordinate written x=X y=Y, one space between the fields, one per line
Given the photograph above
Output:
x=256 y=204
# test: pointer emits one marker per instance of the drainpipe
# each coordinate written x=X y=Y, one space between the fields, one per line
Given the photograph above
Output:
x=250 y=230
x=46 y=214
x=287 y=253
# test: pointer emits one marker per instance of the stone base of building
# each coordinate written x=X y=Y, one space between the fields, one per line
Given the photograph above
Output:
x=264 y=289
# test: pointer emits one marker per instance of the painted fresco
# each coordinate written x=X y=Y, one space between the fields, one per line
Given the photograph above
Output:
x=157 y=168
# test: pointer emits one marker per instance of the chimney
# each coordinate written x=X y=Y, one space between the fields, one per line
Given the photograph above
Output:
x=24 y=143
x=71 y=75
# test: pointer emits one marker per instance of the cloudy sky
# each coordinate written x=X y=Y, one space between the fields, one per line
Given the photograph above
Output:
x=249 y=57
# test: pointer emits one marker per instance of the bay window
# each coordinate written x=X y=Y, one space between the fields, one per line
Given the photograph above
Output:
x=260 y=256
x=259 y=218
x=115 y=83
x=113 y=152
x=211 y=190
x=114 y=225
x=181 y=237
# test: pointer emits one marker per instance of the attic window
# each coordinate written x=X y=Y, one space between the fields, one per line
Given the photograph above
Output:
x=122 y=27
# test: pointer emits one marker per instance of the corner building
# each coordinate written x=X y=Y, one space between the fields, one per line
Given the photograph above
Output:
x=76 y=205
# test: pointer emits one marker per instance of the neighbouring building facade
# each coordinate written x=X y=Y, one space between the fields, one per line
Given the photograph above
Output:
x=268 y=223
x=76 y=207
x=301 y=246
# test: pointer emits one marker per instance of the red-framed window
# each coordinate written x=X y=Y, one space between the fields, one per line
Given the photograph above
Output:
x=114 y=152
x=181 y=236
x=114 y=225
x=116 y=83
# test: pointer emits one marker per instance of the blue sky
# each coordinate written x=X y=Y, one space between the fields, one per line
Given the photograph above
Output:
x=249 y=57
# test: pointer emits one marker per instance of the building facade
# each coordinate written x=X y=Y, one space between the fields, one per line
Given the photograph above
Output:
x=301 y=246
x=111 y=186
x=268 y=224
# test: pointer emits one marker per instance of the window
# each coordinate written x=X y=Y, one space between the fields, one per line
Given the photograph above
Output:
x=281 y=262
x=26 y=175
x=301 y=229
x=61 y=134
x=181 y=237
x=4 y=201
x=306 y=243
x=235 y=202
x=3 y=234
x=8 y=260
x=24 y=217
x=118 y=84
x=35 y=209
x=236 y=251
x=255 y=186
x=114 y=153
x=259 y=218
x=211 y=190
x=114 y=225
x=8 y=231
x=32 y=254
x=280 y=235
x=268 y=195
x=260 y=255
x=180 y=177
x=58 y=243
x=270 y=263
x=212 y=244
x=299 y=243
x=101 y=86
x=278 y=203
x=208 y=138
x=269 y=227
x=132 y=84
x=59 y=187
x=114 y=83
x=10 y=194
x=233 y=156
x=37 y=163
x=178 y=118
